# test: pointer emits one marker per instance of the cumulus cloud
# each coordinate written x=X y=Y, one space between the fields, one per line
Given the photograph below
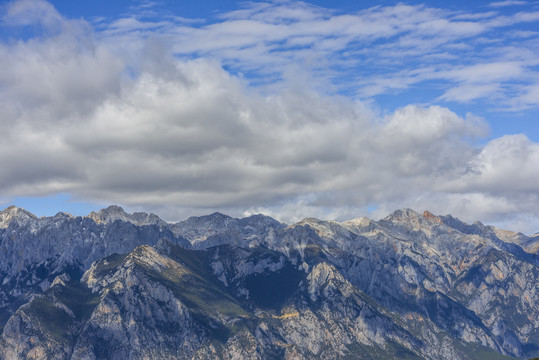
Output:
x=138 y=126
x=501 y=164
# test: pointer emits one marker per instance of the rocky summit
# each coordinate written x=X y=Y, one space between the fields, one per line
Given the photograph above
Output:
x=114 y=285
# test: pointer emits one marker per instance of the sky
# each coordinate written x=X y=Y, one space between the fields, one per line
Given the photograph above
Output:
x=328 y=109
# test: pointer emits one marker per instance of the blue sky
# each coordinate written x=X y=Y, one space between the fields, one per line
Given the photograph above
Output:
x=329 y=109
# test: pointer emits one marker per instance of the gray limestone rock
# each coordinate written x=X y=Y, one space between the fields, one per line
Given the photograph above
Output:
x=131 y=286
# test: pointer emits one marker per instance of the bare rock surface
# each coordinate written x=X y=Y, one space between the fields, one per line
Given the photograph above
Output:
x=131 y=286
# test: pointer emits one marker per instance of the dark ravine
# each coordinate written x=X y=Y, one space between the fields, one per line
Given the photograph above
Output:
x=113 y=285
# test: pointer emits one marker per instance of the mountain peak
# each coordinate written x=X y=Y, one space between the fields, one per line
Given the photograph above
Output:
x=115 y=212
x=219 y=215
x=309 y=221
x=62 y=214
x=12 y=209
x=403 y=215
x=109 y=214
x=14 y=213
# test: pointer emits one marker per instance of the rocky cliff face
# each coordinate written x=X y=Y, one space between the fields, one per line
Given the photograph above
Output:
x=131 y=286
x=34 y=251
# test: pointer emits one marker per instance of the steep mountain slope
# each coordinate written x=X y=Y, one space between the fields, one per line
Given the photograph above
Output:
x=169 y=302
x=408 y=286
x=34 y=251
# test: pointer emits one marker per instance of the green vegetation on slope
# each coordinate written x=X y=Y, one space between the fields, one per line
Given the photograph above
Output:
x=53 y=319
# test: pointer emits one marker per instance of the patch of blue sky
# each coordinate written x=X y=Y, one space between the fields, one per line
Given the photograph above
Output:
x=52 y=204
x=196 y=13
x=525 y=122
x=93 y=9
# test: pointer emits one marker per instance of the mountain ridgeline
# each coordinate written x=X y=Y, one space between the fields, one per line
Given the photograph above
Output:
x=113 y=285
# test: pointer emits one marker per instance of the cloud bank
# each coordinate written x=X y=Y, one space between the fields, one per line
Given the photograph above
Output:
x=141 y=126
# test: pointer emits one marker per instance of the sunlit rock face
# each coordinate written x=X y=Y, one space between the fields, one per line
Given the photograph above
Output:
x=131 y=286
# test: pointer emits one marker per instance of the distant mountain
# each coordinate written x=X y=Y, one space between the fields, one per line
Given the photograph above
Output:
x=218 y=229
x=114 y=285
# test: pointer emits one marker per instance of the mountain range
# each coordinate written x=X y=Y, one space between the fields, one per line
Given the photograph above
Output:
x=113 y=285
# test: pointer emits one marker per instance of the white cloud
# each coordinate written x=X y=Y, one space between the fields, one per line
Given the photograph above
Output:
x=468 y=92
x=114 y=117
x=31 y=12
x=504 y=167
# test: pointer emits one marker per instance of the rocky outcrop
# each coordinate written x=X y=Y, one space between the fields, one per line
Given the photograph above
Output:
x=131 y=286
x=35 y=250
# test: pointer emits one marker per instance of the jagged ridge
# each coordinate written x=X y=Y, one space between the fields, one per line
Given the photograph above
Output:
x=414 y=285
